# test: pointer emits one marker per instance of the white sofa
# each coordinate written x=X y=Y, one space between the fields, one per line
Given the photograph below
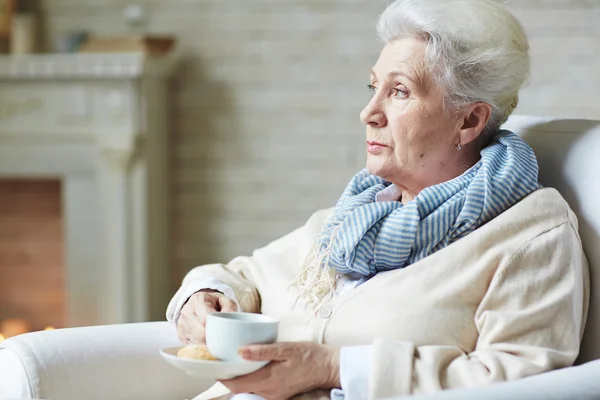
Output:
x=122 y=361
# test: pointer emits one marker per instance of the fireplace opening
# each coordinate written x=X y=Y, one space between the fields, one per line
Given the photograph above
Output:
x=32 y=259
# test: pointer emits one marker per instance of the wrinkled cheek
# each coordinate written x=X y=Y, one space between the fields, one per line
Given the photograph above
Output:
x=401 y=157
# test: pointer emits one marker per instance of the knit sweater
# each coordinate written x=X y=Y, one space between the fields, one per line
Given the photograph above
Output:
x=507 y=301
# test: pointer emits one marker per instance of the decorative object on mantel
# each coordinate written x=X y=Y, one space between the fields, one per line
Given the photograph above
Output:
x=135 y=18
x=18 y=22
x=134 y=41
x=98 y=122
x=70 y=42
x=22 y=30
x=155 y=45
x=23 y=33
x=7 y=9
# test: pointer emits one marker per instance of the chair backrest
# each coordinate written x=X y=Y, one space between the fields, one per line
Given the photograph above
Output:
x=568 y=153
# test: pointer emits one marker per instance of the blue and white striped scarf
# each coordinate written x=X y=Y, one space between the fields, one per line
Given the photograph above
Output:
x=364 y=237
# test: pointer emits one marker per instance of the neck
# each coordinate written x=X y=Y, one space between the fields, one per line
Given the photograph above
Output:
x=455 y=167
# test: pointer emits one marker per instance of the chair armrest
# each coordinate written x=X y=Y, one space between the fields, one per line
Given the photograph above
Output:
x=100 y=362
x=574 y=383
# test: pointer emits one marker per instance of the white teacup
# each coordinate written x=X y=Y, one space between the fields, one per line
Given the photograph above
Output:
x=227 y=332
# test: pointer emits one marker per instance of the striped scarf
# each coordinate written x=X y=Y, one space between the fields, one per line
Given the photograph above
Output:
x=364 y=237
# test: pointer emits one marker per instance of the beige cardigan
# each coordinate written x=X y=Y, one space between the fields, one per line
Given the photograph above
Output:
x=507 y=301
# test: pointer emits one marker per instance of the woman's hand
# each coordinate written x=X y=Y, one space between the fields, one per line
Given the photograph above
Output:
x=295 y=368
x=192 y=320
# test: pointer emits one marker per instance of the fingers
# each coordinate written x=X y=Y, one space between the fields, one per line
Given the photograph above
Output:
x=190 y=327
x=182 y=336
x=210 y=303
x=204 y=305
x=267 y=352
x=197 y=334
x=227 y=305
x=192 y=320
x=248 y=383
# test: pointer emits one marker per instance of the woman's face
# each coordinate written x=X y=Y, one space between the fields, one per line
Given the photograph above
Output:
x=411 y=139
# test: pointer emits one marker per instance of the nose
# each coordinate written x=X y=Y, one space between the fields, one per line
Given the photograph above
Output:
x=373 y=114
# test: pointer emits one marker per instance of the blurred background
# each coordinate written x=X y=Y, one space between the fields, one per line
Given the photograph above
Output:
x=262 y=104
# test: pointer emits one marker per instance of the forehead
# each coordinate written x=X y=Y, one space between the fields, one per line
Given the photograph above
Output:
x=406 y=55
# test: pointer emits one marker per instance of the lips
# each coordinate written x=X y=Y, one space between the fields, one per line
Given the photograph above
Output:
x=373 y=143
x=375 y=147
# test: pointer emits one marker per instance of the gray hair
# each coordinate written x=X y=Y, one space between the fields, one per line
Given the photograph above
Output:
x=476 y=50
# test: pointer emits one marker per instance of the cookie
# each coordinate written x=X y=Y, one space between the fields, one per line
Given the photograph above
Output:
x=196 y=352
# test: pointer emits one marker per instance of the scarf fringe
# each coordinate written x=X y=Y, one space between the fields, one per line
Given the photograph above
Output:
x=316 y=280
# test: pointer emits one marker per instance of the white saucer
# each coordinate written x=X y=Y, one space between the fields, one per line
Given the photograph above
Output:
x=215 y=370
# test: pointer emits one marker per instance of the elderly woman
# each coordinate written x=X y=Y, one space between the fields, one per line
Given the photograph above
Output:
x=444 y=263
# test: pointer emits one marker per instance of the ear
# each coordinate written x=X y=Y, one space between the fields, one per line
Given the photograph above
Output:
x=474 y=119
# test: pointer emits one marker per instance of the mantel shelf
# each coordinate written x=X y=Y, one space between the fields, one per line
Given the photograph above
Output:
x=86 y=65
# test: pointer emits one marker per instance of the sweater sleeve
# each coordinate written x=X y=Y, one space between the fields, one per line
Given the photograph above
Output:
x=530 y=320
x=243 y=273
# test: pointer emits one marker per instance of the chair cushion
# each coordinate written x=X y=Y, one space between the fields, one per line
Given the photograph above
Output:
x=568 y=153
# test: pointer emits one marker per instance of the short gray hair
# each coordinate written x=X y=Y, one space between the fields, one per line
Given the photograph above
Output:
x=476 y=50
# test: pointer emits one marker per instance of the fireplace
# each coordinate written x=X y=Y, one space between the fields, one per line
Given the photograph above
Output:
x=83 y=189
x=32 y=277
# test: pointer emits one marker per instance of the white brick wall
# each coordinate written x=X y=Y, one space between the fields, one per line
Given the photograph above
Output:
x=267 y=100
x=565 y=48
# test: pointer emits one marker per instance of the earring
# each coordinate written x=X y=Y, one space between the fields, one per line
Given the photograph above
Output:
x=458 y=146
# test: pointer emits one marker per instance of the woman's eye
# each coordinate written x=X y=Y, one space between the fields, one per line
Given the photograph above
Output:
x=400 y=94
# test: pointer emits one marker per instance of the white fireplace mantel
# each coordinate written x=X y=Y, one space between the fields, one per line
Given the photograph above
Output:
x=98 y=122
x=85 y=65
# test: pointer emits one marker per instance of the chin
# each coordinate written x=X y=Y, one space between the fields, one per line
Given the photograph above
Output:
x=375 y=166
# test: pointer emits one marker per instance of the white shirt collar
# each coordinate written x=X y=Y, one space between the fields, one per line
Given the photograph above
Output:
x=390 y=193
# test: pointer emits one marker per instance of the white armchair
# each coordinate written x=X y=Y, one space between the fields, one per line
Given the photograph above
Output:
x=122 y=361
x=100 y=362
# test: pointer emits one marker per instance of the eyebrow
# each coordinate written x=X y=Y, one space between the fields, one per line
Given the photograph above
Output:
x=396 y=73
